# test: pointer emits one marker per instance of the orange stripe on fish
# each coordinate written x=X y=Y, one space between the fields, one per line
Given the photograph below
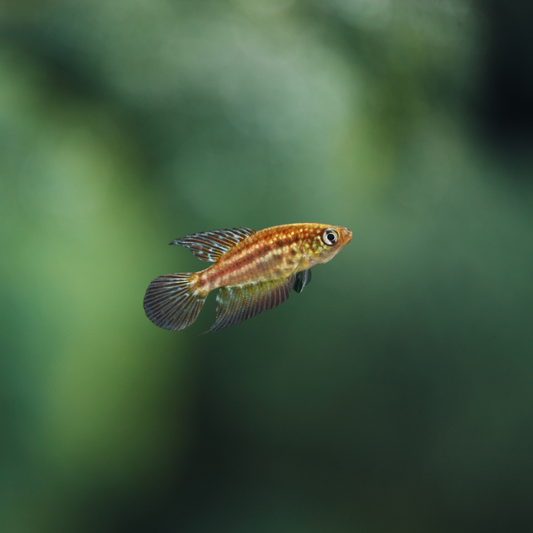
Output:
x=253 y=270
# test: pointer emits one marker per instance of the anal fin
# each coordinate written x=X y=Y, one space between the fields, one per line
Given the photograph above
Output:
x=240 y=302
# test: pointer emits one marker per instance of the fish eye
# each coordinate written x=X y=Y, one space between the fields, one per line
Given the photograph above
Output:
x=330 y=237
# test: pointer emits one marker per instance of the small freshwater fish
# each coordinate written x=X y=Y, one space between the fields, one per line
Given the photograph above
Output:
x=253 y=271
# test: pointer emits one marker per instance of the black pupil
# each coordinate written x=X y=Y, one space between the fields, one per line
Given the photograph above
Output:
x=331 y=237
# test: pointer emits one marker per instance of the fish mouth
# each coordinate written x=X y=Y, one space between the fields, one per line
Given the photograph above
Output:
x=347 y=234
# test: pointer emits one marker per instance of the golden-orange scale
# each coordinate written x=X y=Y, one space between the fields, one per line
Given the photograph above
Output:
x=254 y=271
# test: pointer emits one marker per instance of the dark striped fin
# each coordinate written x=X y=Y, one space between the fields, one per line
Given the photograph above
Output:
x=171 y=302
x=238 y=303
x=212 y=245
x=303 y=278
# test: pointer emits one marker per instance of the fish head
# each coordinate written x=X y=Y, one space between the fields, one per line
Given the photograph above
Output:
x=326 y=242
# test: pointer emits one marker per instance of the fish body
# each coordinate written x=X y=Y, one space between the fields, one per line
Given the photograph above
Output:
x=254 y=271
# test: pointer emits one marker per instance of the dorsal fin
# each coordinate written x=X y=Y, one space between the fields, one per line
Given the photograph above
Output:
x=240 y=302
x=212 y=245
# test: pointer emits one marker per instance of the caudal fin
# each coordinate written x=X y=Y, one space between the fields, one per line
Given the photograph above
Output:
x=172 y=301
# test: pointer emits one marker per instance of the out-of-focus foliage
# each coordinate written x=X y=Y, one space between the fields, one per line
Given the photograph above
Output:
x=395 y=393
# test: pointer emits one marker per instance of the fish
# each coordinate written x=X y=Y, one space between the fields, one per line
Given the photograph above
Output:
x=253 y=271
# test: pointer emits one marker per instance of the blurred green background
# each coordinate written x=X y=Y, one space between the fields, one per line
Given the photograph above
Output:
x=395 y=393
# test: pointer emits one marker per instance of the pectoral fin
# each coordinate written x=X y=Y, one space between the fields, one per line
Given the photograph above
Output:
x=303 y=278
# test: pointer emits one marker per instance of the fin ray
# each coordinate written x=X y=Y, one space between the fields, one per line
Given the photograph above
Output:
x=238 y=303
x=212 y=245
x=171 y=302
x=302 y=279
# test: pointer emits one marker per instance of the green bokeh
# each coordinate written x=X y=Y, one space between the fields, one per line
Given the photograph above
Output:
x=393 y=394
